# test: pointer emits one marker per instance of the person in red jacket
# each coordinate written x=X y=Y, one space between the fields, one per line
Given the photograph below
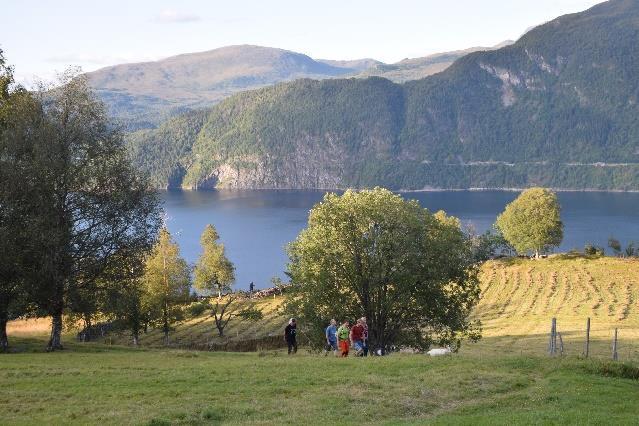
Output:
x=357 y=338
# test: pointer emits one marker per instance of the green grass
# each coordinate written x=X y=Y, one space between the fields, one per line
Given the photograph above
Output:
x=93 y=383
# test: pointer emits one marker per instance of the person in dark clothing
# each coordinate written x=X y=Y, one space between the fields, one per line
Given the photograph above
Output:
x=251 y=288
x=290 y=333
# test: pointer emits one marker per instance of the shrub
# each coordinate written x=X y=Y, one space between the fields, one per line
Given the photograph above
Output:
x=591 y=250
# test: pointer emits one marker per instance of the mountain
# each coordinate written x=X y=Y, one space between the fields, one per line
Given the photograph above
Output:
x=358 y=65
x=557 y=108
x=142 y=94
x=418 y=68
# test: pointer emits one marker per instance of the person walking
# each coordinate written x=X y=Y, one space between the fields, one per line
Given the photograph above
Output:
x=342 y=338
x=356 y=337
x=331 y=337
x=365 y=336
x=290 y=335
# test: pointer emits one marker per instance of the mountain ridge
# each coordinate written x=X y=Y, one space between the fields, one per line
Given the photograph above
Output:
x=547 y=110
x=143 y=94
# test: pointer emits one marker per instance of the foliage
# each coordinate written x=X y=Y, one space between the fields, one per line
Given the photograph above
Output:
x=532 y=222
x=213 y=272
x=167 y=280
x=591 y=250
x=223 y=312
x=615 y=245
x=490 y=244
x=82 y=207
x=16 y=105
x=196 y=309
x=372 y=254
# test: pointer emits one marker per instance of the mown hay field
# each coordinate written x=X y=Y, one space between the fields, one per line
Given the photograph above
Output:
x=521 y=296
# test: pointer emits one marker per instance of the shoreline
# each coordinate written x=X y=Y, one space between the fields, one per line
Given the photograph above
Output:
x=402 y=191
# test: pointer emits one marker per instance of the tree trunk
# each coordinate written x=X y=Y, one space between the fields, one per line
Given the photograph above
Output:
x=4 y=340
x=55 y=342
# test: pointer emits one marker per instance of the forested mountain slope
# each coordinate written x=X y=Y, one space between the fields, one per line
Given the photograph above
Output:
x=557 y=108
x=142 y=95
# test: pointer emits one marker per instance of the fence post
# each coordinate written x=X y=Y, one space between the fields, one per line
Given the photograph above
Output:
x=561 y=345
x=615 y=357
x=553 y=337
x=587 y=337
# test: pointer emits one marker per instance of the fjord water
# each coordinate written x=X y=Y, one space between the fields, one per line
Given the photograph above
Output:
x=255 y=226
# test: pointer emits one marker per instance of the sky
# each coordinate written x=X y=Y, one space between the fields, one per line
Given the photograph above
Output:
x=42 y=37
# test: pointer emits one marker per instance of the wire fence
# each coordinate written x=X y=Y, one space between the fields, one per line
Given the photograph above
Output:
x=592 y=341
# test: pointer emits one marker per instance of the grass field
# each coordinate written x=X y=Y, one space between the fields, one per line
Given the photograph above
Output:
x=116 y=385
x=505 y=378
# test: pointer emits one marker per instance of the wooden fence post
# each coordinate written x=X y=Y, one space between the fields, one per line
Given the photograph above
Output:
x=561 y=345
x=553 y=337
x=587 y=352
x=615 y=357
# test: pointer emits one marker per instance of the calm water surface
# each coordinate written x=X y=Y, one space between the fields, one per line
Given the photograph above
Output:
x=255 y=226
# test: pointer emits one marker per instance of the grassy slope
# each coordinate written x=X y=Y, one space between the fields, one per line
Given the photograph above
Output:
x=519 y=298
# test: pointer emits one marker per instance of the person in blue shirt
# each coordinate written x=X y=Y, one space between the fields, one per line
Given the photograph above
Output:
x=331 y=338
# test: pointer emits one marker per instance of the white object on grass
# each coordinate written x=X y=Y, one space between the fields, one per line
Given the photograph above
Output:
x=439 y=351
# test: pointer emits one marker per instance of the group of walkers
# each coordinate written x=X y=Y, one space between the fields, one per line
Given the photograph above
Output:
x=339 y=340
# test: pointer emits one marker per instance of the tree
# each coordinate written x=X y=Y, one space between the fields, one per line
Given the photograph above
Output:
x=213 y=272
x=19 y=127
x=615 y=245
x=89 y=206
x=222 y=313
x=371 y=253
x=167 y=280
x=532 y=222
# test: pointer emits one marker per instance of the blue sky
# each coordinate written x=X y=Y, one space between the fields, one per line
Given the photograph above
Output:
x=40 y=37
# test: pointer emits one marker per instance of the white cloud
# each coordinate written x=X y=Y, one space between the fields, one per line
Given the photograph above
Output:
x=173 y=16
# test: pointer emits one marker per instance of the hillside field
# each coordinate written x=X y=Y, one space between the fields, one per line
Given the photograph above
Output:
x=505 y=378
x=519 y=299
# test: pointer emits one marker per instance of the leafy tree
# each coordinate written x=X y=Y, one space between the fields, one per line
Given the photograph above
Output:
x=532 y=222
x=20 y=121
x=592 y=250
x=615 y=245
x=90 y=207
x=167 y=280
x=488 y=245
x=9 y=285
x=631 y=250
x=213 y=272
x=373 y=254
x=223 y=312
